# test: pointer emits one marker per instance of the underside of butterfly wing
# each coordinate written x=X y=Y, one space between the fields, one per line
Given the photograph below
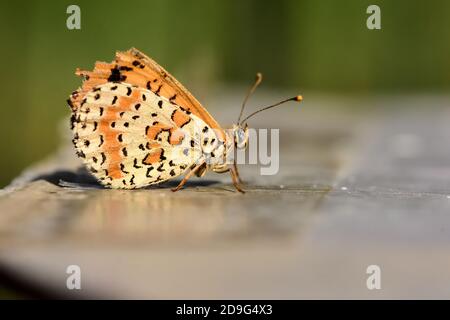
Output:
x=135 y=125
x=129 y=137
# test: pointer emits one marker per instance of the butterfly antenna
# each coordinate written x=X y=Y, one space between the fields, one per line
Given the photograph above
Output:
x=296 y=98
x=250 y=92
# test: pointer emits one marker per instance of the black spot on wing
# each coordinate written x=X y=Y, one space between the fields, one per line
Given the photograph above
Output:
x=101 y=141
x=125 y=68
x=122 y=168
x=137 y=63
x=135 y=165
x=158 y=90
x=116 y=75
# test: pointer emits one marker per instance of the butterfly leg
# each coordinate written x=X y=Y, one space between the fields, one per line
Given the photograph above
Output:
x=187 y=176
x=237 y=173
x=235 y=178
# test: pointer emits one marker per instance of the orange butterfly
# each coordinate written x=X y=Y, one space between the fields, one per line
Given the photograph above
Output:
x=135 y=125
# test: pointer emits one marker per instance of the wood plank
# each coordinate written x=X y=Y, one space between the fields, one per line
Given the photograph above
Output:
x=355 y=188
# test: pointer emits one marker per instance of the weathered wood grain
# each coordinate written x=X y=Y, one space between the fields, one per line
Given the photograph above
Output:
x=360 y=183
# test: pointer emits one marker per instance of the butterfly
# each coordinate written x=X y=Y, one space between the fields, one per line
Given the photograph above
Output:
x=135 y=125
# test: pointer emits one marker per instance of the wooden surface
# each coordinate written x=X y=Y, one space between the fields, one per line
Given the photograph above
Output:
x=361 y=182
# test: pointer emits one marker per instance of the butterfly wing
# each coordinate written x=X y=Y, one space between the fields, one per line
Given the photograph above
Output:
x=129 y=137
x=136 y=68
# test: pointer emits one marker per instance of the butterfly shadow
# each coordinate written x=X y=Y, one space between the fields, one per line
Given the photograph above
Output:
x=82 y=179
x=70 y=178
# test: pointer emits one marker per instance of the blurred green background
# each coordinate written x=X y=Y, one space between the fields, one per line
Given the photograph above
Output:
x=320 y=46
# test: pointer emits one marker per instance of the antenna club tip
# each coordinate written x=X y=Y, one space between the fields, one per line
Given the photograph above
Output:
x=298 y=98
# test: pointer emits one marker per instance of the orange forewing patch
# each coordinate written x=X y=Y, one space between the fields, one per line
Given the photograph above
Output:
x=136 y=68
x=111 y=145
x=175 y=134
x=180 y=118
x=153 y=157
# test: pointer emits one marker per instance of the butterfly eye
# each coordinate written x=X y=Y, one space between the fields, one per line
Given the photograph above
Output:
x=240 y=138
x=241 y=135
